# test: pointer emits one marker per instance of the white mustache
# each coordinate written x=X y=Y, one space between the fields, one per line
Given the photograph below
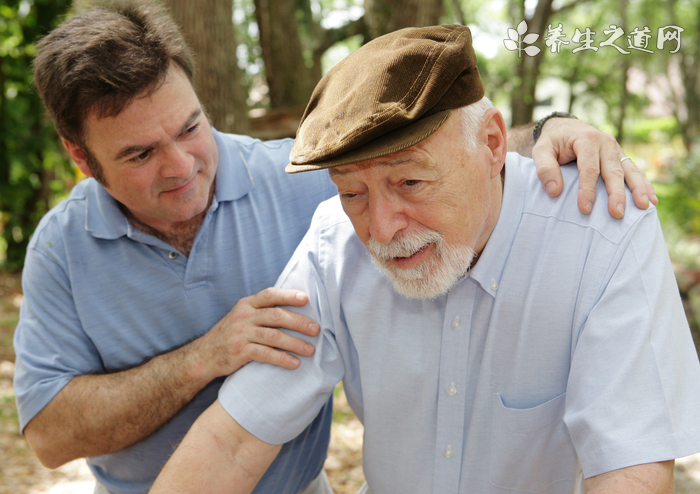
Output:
x=404 y=246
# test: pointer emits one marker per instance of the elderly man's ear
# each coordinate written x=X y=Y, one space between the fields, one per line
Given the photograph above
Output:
x=494 y=129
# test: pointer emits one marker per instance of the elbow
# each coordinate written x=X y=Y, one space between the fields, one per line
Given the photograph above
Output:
x=50 y=462
x=49 y=455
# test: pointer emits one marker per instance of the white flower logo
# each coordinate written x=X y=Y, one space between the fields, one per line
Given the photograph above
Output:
x=516 y=40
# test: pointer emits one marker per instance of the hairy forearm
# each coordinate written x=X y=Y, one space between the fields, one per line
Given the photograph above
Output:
x=520 y=140
x=649 y=478
x=99 y=414
x=216 y=456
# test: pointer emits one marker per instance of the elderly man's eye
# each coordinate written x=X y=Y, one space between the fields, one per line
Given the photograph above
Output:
x=411 y=183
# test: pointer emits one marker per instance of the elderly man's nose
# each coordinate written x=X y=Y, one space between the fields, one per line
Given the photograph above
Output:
x=386 y=219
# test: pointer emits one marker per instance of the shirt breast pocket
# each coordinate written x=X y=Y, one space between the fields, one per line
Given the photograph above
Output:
x=531 y=450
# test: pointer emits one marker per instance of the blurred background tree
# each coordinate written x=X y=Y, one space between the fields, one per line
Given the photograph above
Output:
x=613 y=63
x=33 y=171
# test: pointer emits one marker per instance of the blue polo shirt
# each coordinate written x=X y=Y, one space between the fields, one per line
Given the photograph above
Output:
x=101 y=296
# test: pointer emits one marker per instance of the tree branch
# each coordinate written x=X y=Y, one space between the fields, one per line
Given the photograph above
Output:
x=569 y=6
x=329 y=37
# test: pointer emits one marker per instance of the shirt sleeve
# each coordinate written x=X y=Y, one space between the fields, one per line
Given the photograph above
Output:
x=277 y=404
x=634 y=388
x=50 y=345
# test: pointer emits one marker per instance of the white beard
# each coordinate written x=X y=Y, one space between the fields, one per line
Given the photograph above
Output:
x=431 y=278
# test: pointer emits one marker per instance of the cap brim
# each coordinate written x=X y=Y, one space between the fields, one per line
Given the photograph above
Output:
x=392 y=142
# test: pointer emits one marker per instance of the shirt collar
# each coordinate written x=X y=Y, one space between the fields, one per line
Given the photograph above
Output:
x=233 y=177
x=104 y=219
x=488 y=270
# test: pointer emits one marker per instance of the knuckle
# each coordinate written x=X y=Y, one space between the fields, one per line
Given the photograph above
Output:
x=260 y=353
x=544 y=169
x=245 y=302
x=303 y=322
x=617 y=173
x=631 y=167
x=589 y=168
x=593 y=134
x=608 y=139
x=239 y=347
x=276 y=315
x=268 y=335
x=244 y=312
x=269 y=293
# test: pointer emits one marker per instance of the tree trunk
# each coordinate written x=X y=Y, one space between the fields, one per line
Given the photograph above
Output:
x=624 y=93
x=385 y=16
x=528 y=70
x=289 y=80
x=207 y=25
x=690 y=74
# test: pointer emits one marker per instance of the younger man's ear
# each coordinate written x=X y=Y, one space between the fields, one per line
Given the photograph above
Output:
x=77 y=155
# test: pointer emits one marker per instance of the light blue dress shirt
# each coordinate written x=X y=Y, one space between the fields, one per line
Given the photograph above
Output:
x=101 y=296
x=564 y=353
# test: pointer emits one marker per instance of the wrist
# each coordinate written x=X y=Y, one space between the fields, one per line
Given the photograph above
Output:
x=196 y=369
x=537 y=131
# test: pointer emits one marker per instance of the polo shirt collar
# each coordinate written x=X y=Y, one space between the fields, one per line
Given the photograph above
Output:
x=489 y=269
x=233 y=177
x=104 y=219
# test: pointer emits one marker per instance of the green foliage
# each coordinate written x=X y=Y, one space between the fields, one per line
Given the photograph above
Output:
x=33 y=171
x=679 y=201
x=653 y=130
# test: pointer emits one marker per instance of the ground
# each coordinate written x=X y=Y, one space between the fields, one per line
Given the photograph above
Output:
x=21 y=472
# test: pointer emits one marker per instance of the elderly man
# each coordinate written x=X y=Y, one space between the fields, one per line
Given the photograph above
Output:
x=143 y=288
x=506 y=342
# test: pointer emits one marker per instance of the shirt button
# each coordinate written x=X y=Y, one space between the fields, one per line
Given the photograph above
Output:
x=448 y=452
x=172 y=255
x=494 y=285
x=452 y=389
x=456 y=323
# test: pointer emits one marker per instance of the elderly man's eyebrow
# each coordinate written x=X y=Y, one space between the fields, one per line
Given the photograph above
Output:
x=128 y=151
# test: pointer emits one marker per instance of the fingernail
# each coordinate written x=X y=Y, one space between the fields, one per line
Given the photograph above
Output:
x=308 y=348
x=299 y=296
x=645 y=198
x=589 y=207
x=313 y=328
x=620 y=209
x=550 y=187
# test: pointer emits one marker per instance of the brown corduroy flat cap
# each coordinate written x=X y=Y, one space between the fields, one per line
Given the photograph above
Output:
x=387 y=96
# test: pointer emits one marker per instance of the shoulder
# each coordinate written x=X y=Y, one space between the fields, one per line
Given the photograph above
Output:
x=65 y=220
x=328 y=236
x=265 y=161
x=330 y=218
x=331 y=240
x=250 y=145
x=564 y=208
